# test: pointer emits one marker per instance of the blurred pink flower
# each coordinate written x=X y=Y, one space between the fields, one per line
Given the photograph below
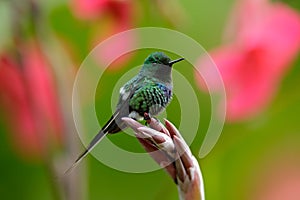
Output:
x=120 y=10
x=277 y=176
x=118 y=16
x=29 y=100
x=281 y=182
x=264 y=39
x=113 y=49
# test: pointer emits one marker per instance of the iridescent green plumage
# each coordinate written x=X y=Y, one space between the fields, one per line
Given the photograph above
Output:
x=151 y=98
x=150 y=91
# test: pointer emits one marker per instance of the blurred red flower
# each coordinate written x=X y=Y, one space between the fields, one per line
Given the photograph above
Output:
x=277 y=175
x=29 y=99
x=118 y=16
x=264 y=39
x=281 y=181
x=120 y=10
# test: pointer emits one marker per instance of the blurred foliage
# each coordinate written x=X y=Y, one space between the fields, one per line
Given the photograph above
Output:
x=230 y=170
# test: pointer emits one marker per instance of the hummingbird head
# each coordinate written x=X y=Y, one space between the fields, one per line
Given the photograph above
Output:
x=158 y=65
x=161 y=58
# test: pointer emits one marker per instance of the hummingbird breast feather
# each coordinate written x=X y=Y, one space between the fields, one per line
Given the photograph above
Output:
x=151 y=98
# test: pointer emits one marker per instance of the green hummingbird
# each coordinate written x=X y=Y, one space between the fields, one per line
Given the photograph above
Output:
x=146 y=94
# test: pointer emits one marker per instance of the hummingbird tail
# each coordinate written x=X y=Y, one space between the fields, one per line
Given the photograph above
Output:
x=110 y=127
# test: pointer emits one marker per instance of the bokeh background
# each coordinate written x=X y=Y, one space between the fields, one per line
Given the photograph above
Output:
x=255 y=44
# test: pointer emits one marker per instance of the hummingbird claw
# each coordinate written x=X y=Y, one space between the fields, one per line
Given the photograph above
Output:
x=147 y=116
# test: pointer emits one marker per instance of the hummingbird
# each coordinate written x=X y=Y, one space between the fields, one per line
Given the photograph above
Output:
x=146 y=94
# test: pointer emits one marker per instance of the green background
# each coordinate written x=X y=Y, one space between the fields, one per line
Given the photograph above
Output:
x=233 y=170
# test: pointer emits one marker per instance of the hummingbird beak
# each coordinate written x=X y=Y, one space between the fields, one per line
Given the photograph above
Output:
x=175 y=61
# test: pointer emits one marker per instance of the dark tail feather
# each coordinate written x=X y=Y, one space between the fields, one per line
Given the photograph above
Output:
x=110 y=127
x=93 y=143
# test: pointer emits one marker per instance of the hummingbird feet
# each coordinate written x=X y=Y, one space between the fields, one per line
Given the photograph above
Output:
x=148 y=118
